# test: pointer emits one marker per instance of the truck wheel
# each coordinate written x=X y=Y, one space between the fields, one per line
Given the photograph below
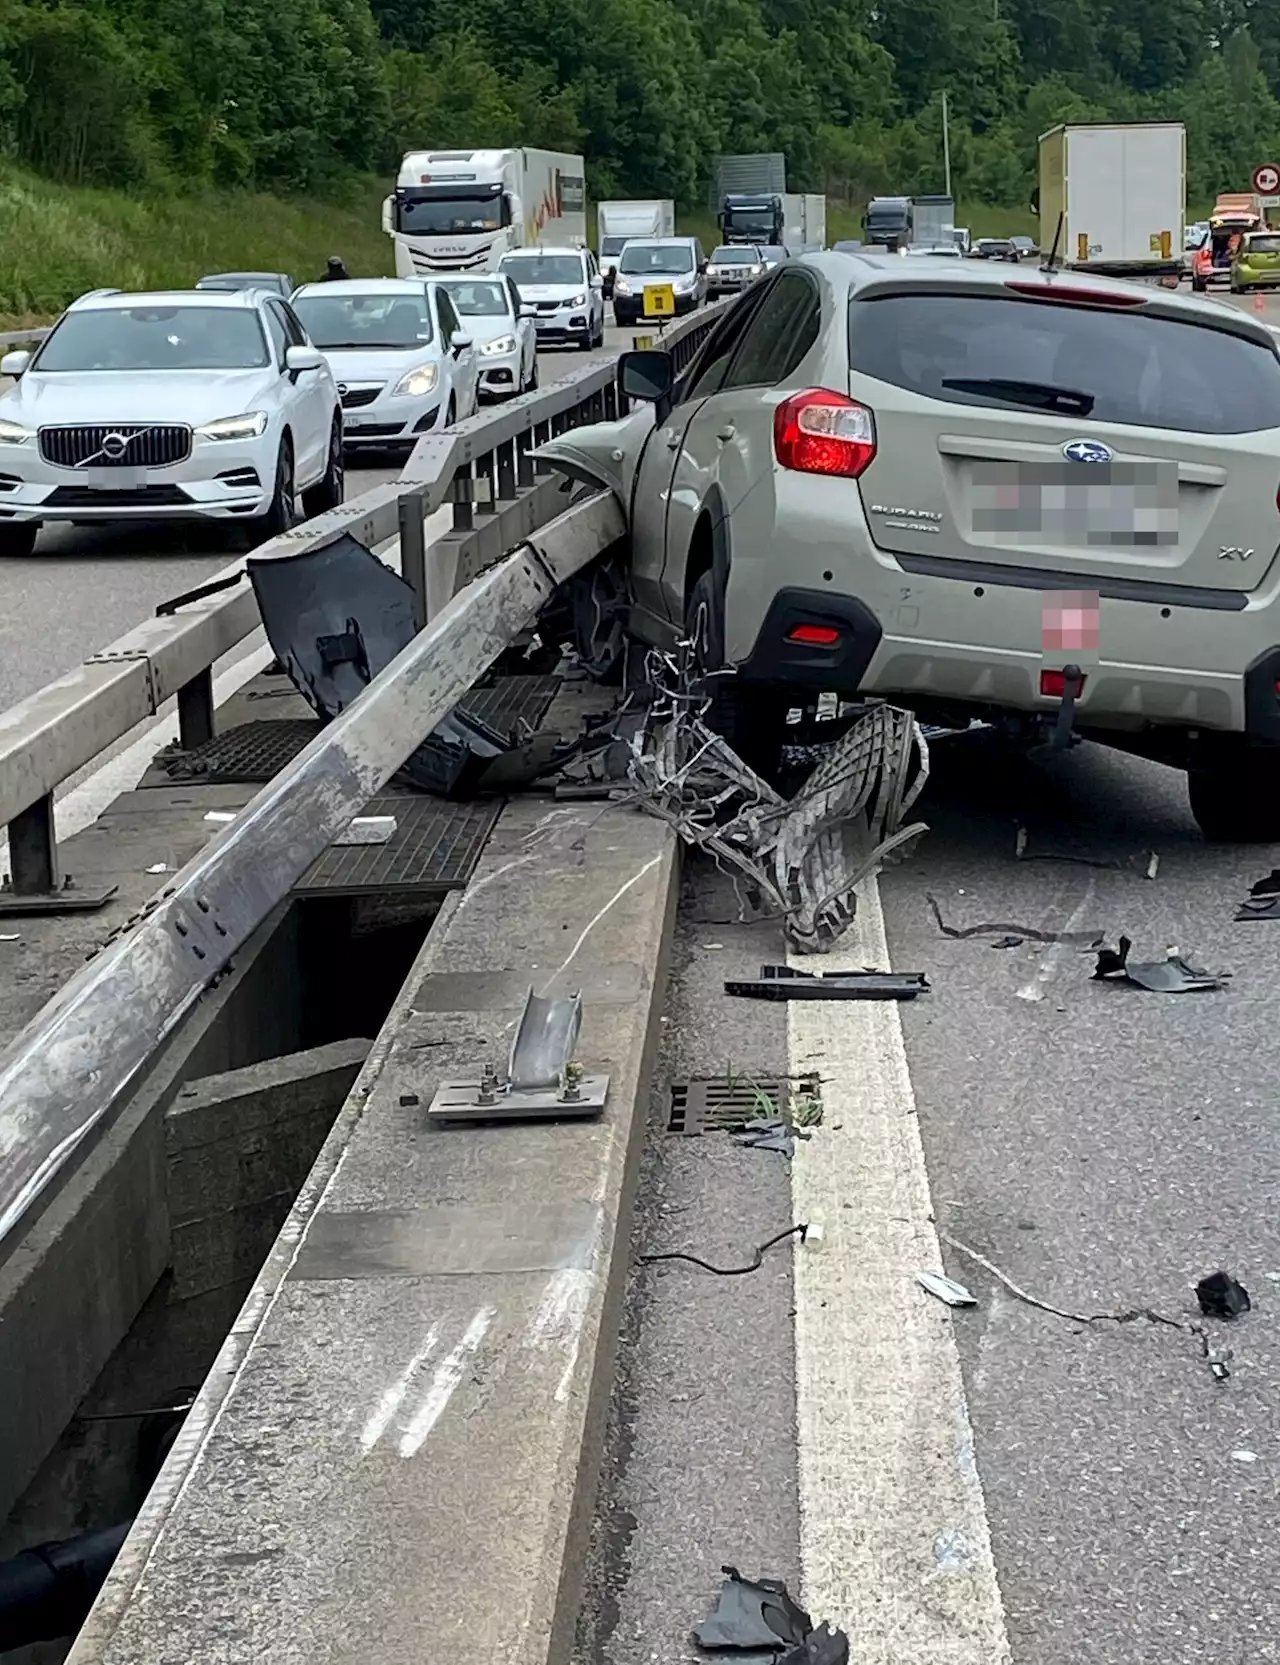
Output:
x=751 y=716
x=1237 y=801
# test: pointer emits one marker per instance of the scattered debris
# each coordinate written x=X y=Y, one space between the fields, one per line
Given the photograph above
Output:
x=802 y=858
x=368 y=829
x=221 y=816
x=1220 y=1296
x=1150 y=860
x=1013 y=934
x=1172 y=975
x=780 y=982
x=946 y=1289
x=1244 y=1456
x=1270 y=886
x=1008 y=942
x=758 y=1615
x=772 y=1133
x=1216 y=1358
x=160 y=867
x=753 y=1265
x=1263 y=901
x=9 y=936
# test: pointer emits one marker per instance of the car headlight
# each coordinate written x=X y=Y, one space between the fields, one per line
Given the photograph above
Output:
x=419 y=381
x=575 y=300
x=252 y=426
x=756 y=270
x=713 y=271
x=13 y=433
x=503 y=344
x=621 y=286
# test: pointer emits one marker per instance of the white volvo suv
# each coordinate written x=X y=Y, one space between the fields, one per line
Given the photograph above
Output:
x=169 y=406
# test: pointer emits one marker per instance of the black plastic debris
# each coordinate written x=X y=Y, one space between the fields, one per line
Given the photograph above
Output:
x=1257 y=907
x=770 y=1133
x=1270 y=886
x=1220 y=1296
x=1008 y=942
x=781 y=982
x=1007 y=929
x=1172 y=975
x=823 y=1646
x=753 y=1615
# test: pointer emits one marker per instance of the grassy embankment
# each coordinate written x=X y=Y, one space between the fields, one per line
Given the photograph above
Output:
x=57 y=241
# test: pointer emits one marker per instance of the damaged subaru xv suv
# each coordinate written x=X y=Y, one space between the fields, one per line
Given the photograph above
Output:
x=1042 y=499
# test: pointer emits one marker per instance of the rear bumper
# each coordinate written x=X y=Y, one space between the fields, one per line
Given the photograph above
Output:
x=925 y=637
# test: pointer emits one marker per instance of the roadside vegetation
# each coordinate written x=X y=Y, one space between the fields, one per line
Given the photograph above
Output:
x=149 y=139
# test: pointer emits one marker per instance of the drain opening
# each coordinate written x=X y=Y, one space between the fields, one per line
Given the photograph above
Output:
x=723 y=1104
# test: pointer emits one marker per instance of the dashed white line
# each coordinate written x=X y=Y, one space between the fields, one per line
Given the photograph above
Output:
x=895 y=1543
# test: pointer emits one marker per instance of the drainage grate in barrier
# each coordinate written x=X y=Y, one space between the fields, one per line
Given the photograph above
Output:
x=255 y=752
x=724 y=1104
x=433 y=850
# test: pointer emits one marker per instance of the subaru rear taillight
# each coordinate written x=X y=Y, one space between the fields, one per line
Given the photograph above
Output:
x=820 y=432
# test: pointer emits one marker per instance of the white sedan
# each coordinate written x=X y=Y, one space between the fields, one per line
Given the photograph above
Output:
x=501 y=324
x=170 y=406
x=404 y=363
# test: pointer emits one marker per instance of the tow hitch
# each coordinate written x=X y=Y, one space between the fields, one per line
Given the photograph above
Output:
x=1072 y=687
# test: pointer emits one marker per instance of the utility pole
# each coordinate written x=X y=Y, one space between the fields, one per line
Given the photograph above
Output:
x=946 y=144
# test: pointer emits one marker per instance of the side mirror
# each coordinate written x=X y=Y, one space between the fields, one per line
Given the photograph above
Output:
x=387 y=226
x=460 y=341
x=528 y=310
x=298 y=359
x=14 y=364
x=646 y=374
x=597 y=282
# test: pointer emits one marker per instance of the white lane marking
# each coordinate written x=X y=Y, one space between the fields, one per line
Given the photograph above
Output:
x=449 y=1373
x=1052 y=956
x=393 y=1398
x=895 y=1544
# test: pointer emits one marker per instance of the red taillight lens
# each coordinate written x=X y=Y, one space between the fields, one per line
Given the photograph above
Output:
x=1070 y=296
x=1053 y=685
x=814 y=635
x=820 y=432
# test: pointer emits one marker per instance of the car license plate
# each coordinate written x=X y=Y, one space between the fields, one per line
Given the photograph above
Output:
x=1092 y=504
x=115 y=479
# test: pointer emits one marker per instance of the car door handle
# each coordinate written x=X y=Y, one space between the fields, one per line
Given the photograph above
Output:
x=725 y=434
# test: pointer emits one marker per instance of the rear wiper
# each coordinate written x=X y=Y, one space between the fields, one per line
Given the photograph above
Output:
x=1038 y=395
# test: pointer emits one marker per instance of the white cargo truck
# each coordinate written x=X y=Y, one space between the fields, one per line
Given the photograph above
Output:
x=462 y=210
x=1113 y=196
x=932 y=221
x=804 y=221
x=617 y=221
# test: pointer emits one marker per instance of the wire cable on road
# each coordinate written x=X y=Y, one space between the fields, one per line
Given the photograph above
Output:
x=728 y=1271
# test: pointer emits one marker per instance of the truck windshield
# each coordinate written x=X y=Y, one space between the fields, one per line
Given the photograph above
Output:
x=156 y=338
x=610 y=246
x=379 y=319
x=657 y=257
x=543 y=268
x=755 y=224
x=453 y=216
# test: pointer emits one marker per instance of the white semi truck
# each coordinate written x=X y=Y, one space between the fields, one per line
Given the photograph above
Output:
x=618 y=221
x=1112 y=197
x=462 y=210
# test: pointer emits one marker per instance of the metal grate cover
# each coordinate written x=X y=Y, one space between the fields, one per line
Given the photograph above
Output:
x=255 y=752
x=434 y=849
x=724 y=1104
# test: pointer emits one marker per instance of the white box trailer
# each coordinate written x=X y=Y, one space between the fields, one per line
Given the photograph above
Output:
x=618 y=221
x=804 y=221
x=462 y=210
x=1113 y=195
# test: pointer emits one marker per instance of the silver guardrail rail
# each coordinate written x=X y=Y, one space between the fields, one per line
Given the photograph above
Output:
x=64 y=1078
x=482 y=467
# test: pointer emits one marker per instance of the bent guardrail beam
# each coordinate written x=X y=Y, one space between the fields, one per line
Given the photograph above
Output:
x=481 y=467
x=62 y=1078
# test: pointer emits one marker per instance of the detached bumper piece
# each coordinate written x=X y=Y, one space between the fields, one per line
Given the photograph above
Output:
x=782 y=982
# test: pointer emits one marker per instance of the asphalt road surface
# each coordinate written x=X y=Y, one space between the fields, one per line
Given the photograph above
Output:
x=85 y=586
x=1000 y=1483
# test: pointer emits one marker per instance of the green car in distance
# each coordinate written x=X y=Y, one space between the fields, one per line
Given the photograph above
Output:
x=1257 y=262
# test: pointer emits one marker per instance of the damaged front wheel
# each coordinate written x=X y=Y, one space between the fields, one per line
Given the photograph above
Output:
x=750 y=716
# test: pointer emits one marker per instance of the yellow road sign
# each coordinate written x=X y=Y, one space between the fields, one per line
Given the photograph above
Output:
x=659 y=300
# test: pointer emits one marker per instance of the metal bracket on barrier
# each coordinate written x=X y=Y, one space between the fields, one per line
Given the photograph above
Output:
x=542 y=1080
x=110 y=656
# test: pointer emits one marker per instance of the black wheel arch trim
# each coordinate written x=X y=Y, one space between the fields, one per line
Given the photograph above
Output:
x=839 y=668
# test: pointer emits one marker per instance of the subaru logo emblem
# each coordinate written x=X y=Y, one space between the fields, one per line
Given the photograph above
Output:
x=1087 y=451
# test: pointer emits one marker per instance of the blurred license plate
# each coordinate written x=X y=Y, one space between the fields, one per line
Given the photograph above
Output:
x=115 y=479
x=1095 y=504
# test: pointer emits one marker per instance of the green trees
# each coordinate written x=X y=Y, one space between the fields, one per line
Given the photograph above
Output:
x=296 y=94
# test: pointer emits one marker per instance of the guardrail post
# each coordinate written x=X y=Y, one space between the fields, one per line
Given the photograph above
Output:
x=413 y=550
x=33 y=850
x=506 y=460
x=195 y=710
x=524 y=462
x=463 y=515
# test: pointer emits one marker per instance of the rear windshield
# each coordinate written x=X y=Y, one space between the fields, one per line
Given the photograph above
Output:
x=1263 y=245
x=1109 y=366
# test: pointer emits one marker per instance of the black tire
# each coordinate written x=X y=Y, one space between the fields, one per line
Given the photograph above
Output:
x=283 y=512
x=531 y=385
x=586 y=342
x=451 y=415
x=328 y=492
x=18 y=538
x=1238 y=801
x=751 y=716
